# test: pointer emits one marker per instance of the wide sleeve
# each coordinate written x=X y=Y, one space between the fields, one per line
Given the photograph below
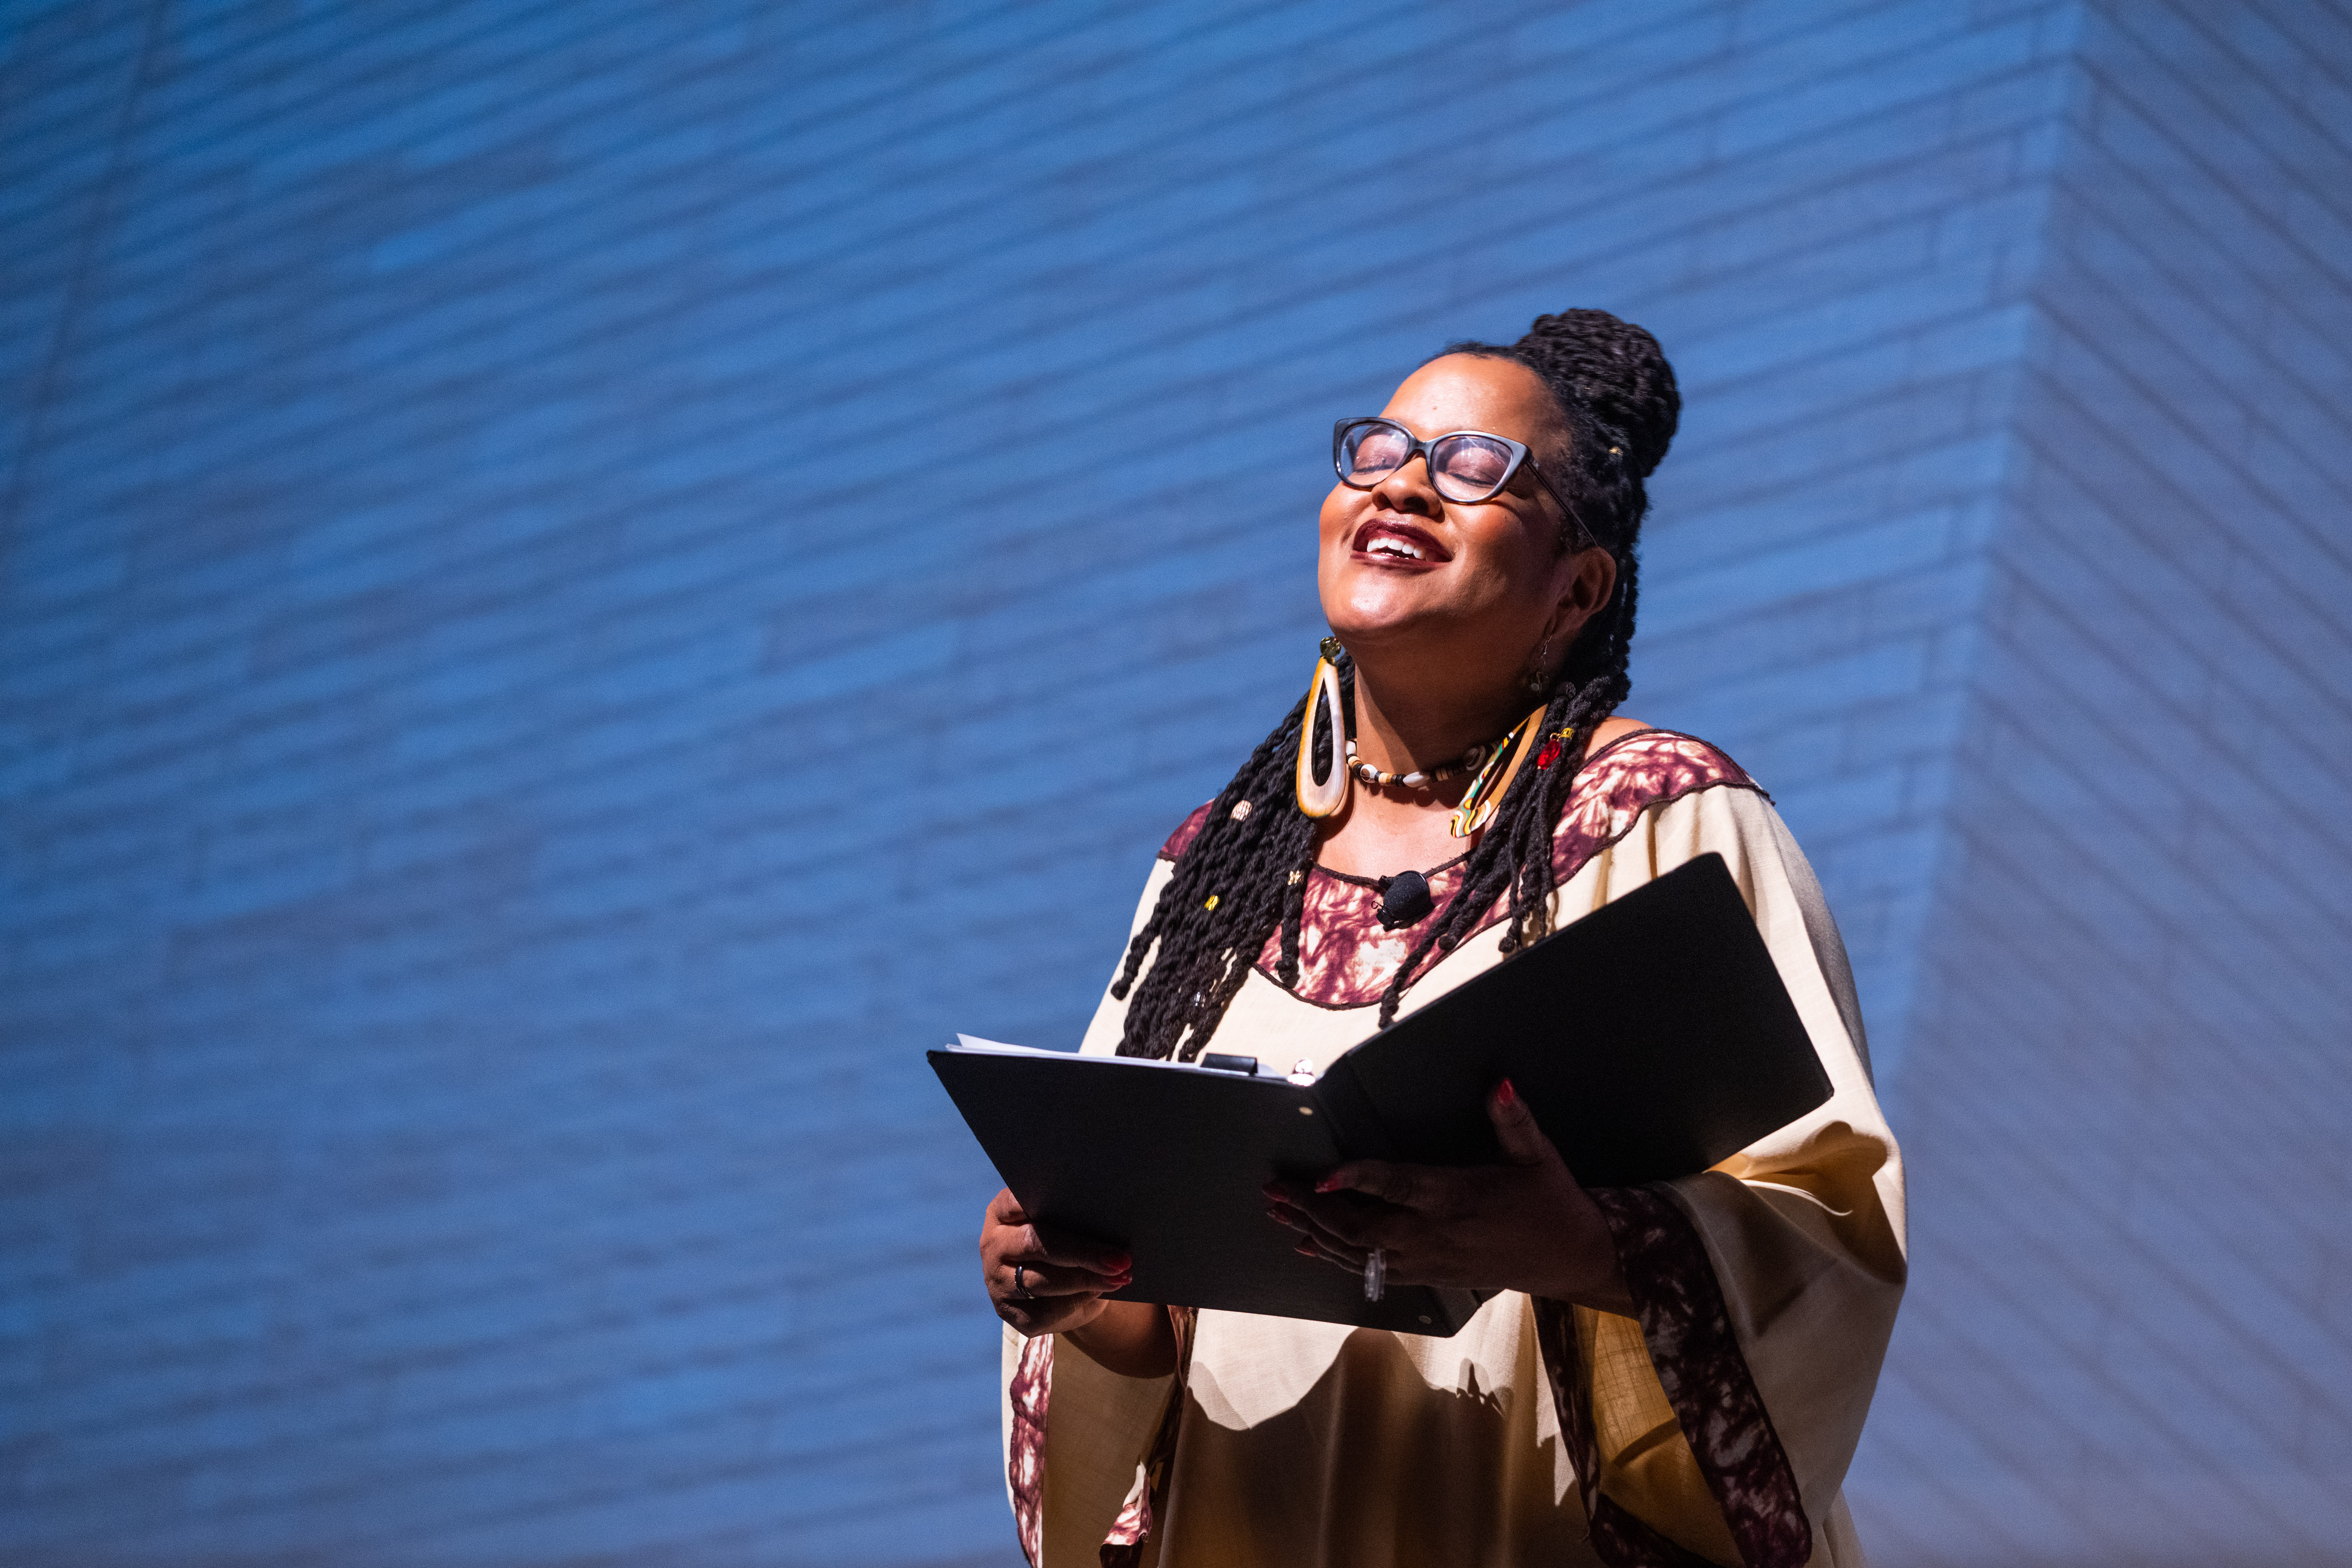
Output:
x=1719 y=1424
x=1084 y=1446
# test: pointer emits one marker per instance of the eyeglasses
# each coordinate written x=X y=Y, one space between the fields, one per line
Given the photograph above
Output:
x=1466 y=465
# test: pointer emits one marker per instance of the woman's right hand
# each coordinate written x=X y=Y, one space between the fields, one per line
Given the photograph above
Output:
x=1041 y=1288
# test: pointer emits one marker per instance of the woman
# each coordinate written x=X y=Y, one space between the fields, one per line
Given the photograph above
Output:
x=1670 y=1374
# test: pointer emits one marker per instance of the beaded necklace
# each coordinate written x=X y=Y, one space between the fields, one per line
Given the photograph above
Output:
x=1466 y=763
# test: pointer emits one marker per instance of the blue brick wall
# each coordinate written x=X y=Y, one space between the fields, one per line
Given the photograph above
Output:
x=581 y=582
x=2128 y=1081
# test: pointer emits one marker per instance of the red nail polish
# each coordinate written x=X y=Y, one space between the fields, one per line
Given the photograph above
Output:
x=1504 y=1094
x=1328 y=1184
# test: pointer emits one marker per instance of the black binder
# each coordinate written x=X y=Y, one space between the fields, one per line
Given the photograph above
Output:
x=1651 y=1038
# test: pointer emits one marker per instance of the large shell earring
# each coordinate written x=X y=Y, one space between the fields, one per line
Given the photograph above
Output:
x=1323 y=798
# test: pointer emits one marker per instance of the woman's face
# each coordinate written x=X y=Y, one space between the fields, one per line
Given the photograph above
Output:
x=1405 y=572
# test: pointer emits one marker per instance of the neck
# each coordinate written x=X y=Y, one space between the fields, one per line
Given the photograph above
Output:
x=1407 y=719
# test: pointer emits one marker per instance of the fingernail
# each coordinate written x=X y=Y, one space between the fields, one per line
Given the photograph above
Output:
x=1121 y=1260
x=1304 y=1250
x=1504 y=1094
x=1328 y=1184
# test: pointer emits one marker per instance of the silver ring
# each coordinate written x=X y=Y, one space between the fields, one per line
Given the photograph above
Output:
x=1376 y=1274
x=1020 y=1286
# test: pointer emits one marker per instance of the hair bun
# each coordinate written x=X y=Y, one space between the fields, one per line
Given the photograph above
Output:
x=1620 y=374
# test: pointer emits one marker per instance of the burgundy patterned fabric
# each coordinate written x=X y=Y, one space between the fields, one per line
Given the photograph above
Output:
x=1647 y=768
x=1032 y=1393
x=1186 y=831
x=1698 y=1360
x=1123 y=1547
x=1345 y=958
x=1619 y=1538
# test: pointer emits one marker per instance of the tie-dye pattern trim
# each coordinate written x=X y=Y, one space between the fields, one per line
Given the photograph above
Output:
x=1032 y=1394
x=1345 y=957
x=1025 y=1468
x=1647 y=768
x=1186 y=831
x=1123 y=1547
x=1698 y=1362
x=1619 y=1538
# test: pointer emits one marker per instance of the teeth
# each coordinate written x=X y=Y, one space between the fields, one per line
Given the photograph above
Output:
x=1388 y=544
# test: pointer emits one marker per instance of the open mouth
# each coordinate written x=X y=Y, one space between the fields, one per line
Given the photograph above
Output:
x=1399 y=542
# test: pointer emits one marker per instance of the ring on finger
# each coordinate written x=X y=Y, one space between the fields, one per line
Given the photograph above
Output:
x=1020 y=1284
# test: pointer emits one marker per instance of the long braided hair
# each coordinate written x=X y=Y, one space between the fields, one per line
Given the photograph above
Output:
x=1244 y=875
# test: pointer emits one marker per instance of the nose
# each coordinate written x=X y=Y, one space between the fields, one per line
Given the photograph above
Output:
x=1403 y=489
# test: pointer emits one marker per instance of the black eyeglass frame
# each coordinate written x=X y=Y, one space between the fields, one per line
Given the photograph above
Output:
x=1520 y=457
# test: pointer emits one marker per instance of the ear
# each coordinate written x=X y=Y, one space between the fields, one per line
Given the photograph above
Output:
x=1592 y=582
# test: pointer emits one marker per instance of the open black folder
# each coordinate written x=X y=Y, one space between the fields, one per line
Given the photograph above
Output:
x=1651 y=1038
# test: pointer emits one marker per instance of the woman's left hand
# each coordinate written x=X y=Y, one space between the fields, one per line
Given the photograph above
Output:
x=1524 y=1224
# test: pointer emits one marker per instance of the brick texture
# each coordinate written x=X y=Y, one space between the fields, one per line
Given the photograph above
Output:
x=2127 y=1340
x=579 y=582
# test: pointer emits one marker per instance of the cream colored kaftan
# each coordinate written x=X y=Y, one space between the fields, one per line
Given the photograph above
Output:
x=1717 y=1427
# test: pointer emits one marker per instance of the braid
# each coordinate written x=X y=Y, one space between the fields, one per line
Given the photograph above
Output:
x=1205 y=952
x=1244 y=879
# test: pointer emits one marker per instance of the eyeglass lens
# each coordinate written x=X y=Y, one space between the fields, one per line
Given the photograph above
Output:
x=1463 y=467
